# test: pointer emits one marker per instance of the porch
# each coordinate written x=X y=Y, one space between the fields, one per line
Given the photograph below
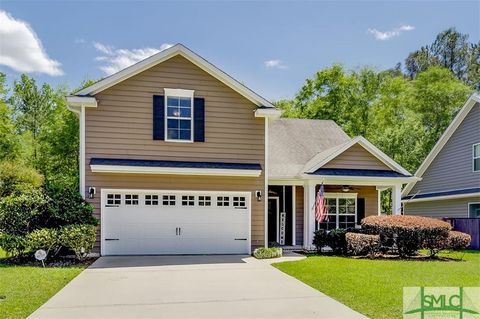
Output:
x=291 y=217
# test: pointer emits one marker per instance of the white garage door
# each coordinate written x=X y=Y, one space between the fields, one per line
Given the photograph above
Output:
x=165 y=222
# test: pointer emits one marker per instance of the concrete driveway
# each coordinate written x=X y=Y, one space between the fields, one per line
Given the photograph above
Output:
x=188 y=287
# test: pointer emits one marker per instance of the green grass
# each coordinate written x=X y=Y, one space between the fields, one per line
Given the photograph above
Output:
x=374 y=287
x=26 y=288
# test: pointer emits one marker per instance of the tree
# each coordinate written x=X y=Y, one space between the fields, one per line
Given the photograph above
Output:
x=452 y=51
x=436 y=97
x=33 y=108
x=9 y=141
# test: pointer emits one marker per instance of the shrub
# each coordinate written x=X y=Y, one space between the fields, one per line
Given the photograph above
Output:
x=408 y=233
x=79 y=238
x=336 y=240
x=67 y=207
x=362 y=244
x=19 y=213
x=266 y=253
x=45 y=238
x=458 y=240
x=320 y=239
x=14 y=245
x=17 y=178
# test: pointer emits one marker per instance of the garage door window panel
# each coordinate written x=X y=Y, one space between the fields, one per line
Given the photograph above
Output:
x=223 y=201
x=114 y=199
x=239 y=202
x=188 y=200
x=131 y=199
x=204 y=201
x=151 y=200
x=168 y=200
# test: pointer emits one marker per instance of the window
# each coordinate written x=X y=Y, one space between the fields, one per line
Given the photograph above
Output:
x=114 y=199
x=179 y=115
x=223 y=201
x=204 y=201
x=341 y=212
x=151 y=200
x=131 y=199
x=474 y=210
x=188 y=200
x=476 y=157
x=168 y=200
x=239 y=201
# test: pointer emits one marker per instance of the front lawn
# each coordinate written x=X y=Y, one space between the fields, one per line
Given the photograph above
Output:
x=374 y=287
x=25 y=288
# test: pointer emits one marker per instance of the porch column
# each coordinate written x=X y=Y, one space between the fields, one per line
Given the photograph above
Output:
x=309 y=217
x=397 y=199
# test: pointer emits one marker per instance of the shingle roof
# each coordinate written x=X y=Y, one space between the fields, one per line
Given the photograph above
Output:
x=357 y=172
x=293 y=142
x=444 y=193
x=178 y=164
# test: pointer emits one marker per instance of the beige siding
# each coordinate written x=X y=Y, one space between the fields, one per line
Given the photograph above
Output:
x=299 y=213
x=440 y=208
x=121 y=127
x=356 y=157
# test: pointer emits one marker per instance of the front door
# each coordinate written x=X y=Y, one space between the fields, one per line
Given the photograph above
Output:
x=273 y=210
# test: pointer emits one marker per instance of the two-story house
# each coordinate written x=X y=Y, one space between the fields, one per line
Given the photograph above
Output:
x=450 y=174
x=180 y=158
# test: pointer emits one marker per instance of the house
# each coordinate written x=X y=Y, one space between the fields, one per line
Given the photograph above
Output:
x=450 y=174
x=179 y=158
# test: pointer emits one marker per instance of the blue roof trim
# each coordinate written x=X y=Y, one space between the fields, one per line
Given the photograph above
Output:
x=445 y=193
x=357 y=172
x=173 y=164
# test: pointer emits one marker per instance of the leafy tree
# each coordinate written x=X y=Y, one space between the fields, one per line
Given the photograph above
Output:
x=436 y=97
x=33 y=108
x=452 y=51
x=9 y=141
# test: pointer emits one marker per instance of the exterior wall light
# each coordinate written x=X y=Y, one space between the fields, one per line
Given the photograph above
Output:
x=91 y=192
x=258 y=195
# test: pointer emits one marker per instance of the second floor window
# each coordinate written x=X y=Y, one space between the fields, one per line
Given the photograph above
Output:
x=179 y=115
x=476 y=157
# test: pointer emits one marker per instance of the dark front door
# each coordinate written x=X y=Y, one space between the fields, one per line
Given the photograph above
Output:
x=272 y=219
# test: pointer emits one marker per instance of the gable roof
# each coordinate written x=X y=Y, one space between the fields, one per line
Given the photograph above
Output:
x=166 y=54
x=300 y=147
x=462 y=114
x=293 y=142
x=323 y=158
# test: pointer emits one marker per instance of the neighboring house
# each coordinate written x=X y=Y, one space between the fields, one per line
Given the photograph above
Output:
x=179 y=158
x=450 y=174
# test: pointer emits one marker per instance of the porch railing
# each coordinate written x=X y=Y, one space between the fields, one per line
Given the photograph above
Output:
x=470 y=226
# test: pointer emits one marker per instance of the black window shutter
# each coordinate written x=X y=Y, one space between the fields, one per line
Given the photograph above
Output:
x=158 y=117
x=360 y=209
x=199 y=119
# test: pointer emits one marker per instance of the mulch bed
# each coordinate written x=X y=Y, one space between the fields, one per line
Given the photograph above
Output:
x=66 y=261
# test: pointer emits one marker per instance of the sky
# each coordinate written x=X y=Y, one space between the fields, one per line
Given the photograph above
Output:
x=270 y=46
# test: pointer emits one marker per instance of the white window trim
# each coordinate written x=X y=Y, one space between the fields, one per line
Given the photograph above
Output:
x=337 y=196
x=474 y=158
x=468 y=208
x=181 y=93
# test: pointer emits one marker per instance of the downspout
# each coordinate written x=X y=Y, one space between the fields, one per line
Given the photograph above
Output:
x=82 y=151
x=266 y=185
x=81 y=154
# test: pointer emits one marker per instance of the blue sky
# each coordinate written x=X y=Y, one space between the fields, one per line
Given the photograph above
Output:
x=270 y=46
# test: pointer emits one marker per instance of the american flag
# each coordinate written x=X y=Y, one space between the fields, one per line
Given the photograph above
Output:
x=320 y=205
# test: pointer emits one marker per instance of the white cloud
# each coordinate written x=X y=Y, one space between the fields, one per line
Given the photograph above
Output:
x=275 y=64
x=386 y=35
x=114 y=60
x=22 y=50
